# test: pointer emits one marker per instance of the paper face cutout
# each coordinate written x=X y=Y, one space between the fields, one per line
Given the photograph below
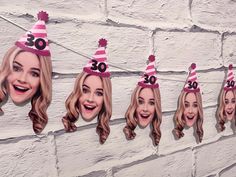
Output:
x=190 y=109
x=91 y=99
x=24 y=79
x=230 y=105
x=146 y=107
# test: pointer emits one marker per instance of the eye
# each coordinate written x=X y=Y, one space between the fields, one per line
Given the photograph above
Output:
x=152 y=103
x=195 y=105
x=99 y=93
x=17 y=68
x=226 y=101
x=34 y=74
x=186 y=105
x=85 y=90
x=140 y=101
x=233 y=101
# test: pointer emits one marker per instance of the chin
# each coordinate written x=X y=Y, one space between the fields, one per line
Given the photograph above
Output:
x=229 y=117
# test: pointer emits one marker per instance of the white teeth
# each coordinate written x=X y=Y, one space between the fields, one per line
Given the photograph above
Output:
x=19 y=87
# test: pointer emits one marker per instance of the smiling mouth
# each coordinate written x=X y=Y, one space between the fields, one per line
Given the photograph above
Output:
x=89 y=107
x=190 y=118
x=144 y=116
x=229 y=112
x=20 y=88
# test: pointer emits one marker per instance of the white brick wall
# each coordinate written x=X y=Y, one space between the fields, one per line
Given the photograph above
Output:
x=178 y=32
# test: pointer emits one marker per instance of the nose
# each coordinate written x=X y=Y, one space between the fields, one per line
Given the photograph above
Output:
x=190 y=109
x=90 y=97
x=145 y=107
x=22 y=77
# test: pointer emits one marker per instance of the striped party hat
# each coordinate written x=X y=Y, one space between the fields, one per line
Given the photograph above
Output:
x=35 y=40
x=191 y=83
x=148 y=78
x=230 y=82
x=98 y=65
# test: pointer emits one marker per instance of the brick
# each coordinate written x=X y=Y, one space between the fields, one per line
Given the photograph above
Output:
x=9 y=34
x=29 y=157
x=177 y=50
x=229 y=50
x=80 y=152
x=218 y=154
x=177 y=164
x=150 y=11
x=214 y=13
x=60 y=8
x=230 y=171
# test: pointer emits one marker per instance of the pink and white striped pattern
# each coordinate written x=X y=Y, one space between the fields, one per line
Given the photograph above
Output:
x=38 y=31
x=191 y=83
x=98 y=64
x=230 y=82
x=149 y=78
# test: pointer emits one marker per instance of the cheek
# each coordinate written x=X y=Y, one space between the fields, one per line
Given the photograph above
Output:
x=11 y=77
x=35 y=83
x=195 y=111
x=82 y=98
x=100 y=101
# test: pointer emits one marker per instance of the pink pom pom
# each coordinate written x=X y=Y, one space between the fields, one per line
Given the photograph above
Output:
x=102 y=42
x=151 y=58
x=43 y=16
x=193 y=65
x=230 y=67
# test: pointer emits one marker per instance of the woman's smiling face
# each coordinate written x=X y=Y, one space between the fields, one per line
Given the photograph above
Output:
x=146 y=107
x=91 y=100
x=190 y=109
x=24 y=79
x=230 y=104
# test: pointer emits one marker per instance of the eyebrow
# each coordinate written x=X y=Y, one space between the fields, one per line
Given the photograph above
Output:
x=151 y=99
x=99 y=89
x=37 y=69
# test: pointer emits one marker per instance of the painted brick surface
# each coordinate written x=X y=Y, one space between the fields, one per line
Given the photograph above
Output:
x=70 y=9
x=221 y=153
x=231 y=171
x=162 y=166
x=214 y=13
x=29 y=157
x=100 y=157
x=177 y=50
x=229 y=48
x=150 y=11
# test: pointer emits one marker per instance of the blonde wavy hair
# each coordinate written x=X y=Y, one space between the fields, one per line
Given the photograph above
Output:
x=220 y=111
x=179 y=116
x=131 y=119
x=41 y=99
x=72 y=107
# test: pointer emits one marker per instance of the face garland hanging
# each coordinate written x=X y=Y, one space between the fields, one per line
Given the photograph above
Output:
x=145 y=105
x=227 y=100
x=189 y=112
x=26 y=73
x=91 y=96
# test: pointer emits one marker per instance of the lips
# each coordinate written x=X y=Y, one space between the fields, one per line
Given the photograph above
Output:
x=89 y=107
x=190 y=117
x=21 y=89
x=144 y=116
x=229 y=112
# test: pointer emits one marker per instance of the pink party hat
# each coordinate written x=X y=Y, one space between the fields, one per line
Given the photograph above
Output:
x=35 y=40
x=149 y=79
x=230 y=82
x=191 y=83
x=98 y=65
